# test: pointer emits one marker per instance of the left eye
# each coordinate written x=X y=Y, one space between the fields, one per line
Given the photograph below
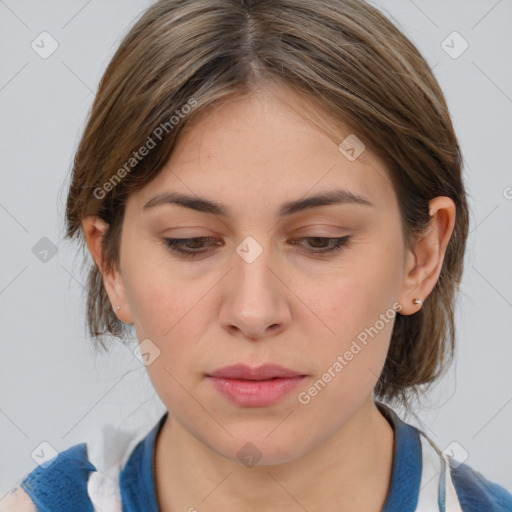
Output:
x=335 y=243
x=194 y=246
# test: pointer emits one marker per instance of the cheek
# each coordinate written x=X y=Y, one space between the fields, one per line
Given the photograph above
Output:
x=160 y=293
x=166 y=311
x=355 y=296
x=349 y=360
x=355 y=312
x=172 y=314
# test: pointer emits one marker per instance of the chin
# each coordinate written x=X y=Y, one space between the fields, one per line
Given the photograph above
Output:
x=258 y=450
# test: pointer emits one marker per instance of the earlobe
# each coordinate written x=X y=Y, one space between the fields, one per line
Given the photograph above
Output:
x=94 y=230
x=424 y=262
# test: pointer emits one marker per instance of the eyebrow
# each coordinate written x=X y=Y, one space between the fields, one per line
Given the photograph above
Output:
x=338 y=196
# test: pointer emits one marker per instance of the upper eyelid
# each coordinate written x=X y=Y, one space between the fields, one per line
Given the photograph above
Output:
x=345 y=239
x=210 y=237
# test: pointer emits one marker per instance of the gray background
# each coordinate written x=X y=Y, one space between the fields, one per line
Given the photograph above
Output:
x=54 y=388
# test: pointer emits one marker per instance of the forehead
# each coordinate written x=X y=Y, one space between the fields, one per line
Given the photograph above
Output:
x=261 y=151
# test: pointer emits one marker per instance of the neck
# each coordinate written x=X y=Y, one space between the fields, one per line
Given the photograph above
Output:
x=189 y=474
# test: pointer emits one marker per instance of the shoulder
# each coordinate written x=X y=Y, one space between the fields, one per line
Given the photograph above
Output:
x=476 y=493
x=17 y=501
x=82 y=476
x=461 y=489
x=55 y=483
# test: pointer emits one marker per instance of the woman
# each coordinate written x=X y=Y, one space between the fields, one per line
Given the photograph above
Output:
x=273 y=199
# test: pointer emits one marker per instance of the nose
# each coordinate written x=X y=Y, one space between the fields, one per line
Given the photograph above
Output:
x=255 y=302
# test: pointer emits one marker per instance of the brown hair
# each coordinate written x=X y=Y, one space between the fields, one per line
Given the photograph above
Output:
x=182 y=57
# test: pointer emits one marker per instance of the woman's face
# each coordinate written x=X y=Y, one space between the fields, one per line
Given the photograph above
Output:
x=262 y=288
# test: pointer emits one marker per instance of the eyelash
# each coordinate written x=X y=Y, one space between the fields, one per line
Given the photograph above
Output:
x=177 y=245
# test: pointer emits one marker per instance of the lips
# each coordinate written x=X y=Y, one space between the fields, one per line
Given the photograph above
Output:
x=263 y=386
x=264 y=372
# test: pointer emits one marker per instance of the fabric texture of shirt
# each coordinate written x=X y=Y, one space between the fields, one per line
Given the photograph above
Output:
x=114 y=472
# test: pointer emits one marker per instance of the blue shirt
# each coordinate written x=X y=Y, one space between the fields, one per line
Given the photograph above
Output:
x=62 y=486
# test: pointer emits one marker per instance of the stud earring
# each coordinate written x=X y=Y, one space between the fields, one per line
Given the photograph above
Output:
x=118 y=308
x=417 y=301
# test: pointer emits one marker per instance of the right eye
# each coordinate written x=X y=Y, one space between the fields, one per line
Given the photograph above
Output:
x=188 y=246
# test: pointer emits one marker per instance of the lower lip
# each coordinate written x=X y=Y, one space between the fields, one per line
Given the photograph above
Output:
x=255 y=393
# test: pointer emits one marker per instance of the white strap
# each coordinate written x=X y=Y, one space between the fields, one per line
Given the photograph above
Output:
x=435 y=475
x=429 y=484
x=108 y=450
x=452 y=501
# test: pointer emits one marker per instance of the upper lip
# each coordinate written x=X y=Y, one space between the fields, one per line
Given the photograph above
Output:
x=264 y=372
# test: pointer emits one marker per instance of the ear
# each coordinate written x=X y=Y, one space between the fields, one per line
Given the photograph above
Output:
x=423 y=264
x=94 y=230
